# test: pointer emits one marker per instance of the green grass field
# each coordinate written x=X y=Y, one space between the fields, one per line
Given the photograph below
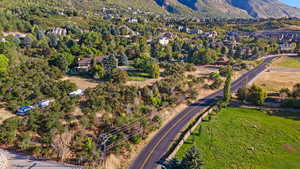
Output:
x=289 y=62
x=239 y=138
x=135 y=75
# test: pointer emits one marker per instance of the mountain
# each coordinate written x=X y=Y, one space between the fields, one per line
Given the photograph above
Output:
x=266 y=8
x=233 y=8
x=203 y=8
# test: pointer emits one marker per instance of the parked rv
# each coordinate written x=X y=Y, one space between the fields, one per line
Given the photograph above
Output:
x=78 y=92
x=46 y=103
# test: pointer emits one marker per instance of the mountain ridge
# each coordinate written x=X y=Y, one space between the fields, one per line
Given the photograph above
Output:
x=198 y=8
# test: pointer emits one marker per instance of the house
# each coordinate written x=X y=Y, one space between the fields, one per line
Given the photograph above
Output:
x=24 y=110
x=132 y=20
x=163 y=41
x=209 y=34
x=286 y=47
x=222 y=61
x=78 y=92
x=230 y=43
x=85 y=64
x=15 y=34
x=2 y=40
x=196 y=31
x=58 y=31
x=108 y=16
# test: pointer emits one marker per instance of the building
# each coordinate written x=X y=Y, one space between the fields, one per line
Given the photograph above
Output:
x=58 y=31
x=196 y=31
x=85 y=64
x=163 y=41
x=286 y=47
x=222 y=61
x=132 y=20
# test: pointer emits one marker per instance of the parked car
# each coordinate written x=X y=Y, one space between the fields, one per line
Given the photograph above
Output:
x=78 y=92
x=24 y=110
x=46 y=103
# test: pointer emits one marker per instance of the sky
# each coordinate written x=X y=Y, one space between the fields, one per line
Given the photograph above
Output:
x=292 y=2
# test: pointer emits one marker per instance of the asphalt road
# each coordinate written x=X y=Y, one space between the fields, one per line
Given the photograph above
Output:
x=154 y=153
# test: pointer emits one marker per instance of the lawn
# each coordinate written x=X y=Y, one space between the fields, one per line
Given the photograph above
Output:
x=136 y=75
x=289 y=62
x=239 y=138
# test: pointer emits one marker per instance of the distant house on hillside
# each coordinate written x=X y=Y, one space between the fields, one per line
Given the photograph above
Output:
x=286 y=47
x=85 y=64
x=132 y=20
x=222 y=61
x=58 y=31
x=164 y=41
x=196 y=31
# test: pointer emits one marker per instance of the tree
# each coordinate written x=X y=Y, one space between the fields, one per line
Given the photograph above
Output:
x=227 y=87
x=154 y=70
x=284 y=93
x=172 y=164
x=256 y=95
x=296 y=90
x=110 y=63
x=204 y=56
x=98 y=72
x=242 y=93
x=60 y=61
x=297 y=49
x=4 y=63
x=119 y=76
x=192 y=159
x=61 y=143
x=123 y=60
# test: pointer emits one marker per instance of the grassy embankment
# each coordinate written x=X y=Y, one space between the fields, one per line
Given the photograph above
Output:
x=243 y=138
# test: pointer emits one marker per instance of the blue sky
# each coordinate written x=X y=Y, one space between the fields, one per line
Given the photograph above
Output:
x=292 y=2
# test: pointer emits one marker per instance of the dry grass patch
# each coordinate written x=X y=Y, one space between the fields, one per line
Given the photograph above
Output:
x=5 y=114
x=274 y=81
x=82 y=83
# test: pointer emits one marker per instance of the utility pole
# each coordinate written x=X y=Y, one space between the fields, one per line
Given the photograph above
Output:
x=102 y=142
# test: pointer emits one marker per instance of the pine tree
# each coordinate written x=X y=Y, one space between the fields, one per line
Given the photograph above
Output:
x=192 y=159
x=172 y=164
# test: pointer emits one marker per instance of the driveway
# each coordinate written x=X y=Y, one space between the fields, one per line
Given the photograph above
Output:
x=19 y=161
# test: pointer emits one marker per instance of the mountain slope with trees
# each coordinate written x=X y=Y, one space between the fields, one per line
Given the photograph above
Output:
x=204 y=8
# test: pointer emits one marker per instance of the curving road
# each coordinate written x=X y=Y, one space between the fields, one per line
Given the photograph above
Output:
x=153 y=154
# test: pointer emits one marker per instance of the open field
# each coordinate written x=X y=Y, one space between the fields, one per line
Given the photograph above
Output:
x=274 y=81
x=245 y=138
x=82 y=83
x=288 y=62
x=281 y=74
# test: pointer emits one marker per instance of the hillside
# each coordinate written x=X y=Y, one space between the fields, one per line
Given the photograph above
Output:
x=204 y=8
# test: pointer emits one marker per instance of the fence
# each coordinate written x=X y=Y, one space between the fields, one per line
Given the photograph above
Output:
x=187 y=132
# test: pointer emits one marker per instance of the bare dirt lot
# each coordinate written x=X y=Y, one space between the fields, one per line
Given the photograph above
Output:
x=82 y=83
x=283 y=73
x=4 y=113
